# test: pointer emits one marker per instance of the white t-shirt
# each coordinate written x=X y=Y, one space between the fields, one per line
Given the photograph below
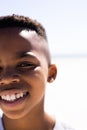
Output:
x=57 y=126
x=61 y=126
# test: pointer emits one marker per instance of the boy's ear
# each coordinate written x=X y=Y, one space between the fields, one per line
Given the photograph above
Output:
x=52 y=72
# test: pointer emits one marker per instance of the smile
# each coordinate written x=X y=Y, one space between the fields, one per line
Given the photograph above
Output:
x=13 y=97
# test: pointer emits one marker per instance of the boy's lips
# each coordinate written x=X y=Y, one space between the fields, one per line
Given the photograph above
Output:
x=13 y=97
x=13 y=94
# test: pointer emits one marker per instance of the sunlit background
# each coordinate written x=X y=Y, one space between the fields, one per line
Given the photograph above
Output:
x=66 y=25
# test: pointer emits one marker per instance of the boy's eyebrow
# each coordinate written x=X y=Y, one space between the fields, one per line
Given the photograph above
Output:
x=26 y=54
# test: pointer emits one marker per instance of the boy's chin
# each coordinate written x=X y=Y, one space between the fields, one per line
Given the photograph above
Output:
x=14 y=116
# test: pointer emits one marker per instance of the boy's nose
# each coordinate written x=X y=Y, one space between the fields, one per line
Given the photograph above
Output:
x=8 y=76
x=6 y=81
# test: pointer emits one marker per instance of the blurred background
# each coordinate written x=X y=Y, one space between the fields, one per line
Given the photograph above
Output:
x=66 y=25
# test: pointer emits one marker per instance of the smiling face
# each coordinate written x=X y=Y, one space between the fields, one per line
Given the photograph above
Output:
x=23 y=71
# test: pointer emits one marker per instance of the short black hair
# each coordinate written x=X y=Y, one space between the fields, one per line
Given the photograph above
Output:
x=22 y=21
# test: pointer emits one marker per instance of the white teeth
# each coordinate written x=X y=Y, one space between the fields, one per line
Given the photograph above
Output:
x=18 y=95
x=21 y=94
x=12 y=97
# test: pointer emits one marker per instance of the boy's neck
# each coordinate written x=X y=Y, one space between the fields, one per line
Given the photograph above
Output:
x=44 y=122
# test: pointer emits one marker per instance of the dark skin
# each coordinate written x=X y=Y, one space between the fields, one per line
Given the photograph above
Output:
x=24 y=69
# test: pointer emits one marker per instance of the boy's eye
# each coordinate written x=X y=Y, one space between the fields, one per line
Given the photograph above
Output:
x=26 y=65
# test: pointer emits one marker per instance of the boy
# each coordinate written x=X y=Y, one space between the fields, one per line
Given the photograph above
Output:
x=25 y=68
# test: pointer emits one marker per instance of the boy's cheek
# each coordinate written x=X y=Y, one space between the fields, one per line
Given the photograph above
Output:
x=35 y=74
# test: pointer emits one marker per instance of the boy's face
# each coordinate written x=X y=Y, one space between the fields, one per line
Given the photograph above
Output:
x=23 y=71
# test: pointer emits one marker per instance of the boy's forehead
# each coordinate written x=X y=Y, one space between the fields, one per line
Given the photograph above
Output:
x=16 y=37
x=22 y=39
x=17 y=31
x=27 y=33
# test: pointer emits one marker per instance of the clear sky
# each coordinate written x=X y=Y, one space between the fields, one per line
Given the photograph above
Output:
x=65 y=21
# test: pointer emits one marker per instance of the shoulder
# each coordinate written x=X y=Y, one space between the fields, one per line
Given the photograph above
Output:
x=61 y=126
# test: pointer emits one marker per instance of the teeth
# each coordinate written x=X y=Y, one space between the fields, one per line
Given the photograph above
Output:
x=18 y=95
x=12 y=97
x=21 y=94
